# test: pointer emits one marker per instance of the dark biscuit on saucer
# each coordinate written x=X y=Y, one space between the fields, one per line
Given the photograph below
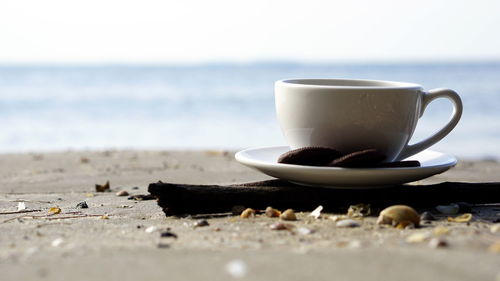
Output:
x=359 y=159
x=310 y=156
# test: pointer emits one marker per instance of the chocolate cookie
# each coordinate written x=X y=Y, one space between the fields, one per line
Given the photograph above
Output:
x=310 y=156
x=359 y=159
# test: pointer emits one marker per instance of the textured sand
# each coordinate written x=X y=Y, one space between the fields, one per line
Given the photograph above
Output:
x=119 y=248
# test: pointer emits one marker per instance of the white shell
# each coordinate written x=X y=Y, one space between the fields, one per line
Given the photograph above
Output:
x=317 y=212
x=348 y=223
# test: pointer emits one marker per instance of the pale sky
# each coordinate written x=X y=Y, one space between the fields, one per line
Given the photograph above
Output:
x=190 y=31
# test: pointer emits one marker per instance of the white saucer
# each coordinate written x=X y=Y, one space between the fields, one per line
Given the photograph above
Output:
x=264 y=159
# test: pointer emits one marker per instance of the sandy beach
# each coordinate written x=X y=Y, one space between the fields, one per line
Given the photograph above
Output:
x=120 y=239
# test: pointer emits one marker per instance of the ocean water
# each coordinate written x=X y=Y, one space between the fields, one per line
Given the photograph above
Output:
x=215 y=106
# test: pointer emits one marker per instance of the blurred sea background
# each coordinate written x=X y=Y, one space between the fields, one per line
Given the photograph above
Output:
x=216 y=105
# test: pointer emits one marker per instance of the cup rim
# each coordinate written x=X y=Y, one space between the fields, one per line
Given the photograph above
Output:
x=345 y=83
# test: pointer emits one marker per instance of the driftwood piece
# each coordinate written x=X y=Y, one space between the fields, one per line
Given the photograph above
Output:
x=181 y=199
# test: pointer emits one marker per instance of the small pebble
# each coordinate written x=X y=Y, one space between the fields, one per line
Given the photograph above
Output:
x=399 y=216
x=304 y=231
x=151 y=229
x=336 y=218
x=54 y=210
x=102 y=187
x=281 y=226
x=247 y=213
x=168 y=234
x=135 y=187
x=201 y=223
x=359 y=210
x=495 y=228
x=438 y=243
x=122 y=193
x=272 y=213
x=288 y=215
x=427 y=216
x=82 y=205
x=57 y=242
x=348 y=223
x=451 y=209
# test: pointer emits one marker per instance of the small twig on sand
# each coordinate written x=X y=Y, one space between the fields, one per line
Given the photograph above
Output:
x=212 y=215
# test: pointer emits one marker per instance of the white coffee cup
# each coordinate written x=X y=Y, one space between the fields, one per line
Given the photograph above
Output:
x=351 y=115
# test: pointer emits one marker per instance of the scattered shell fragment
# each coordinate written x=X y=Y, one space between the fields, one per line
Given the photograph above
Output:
x=89 y=195
x=348 y=223
x=272 y=213
x=495 y=247
x=122 y=193
x=418 y=237
x=304 y=231
x=57 y=242
x=151 y=229
x=236 y=268
x=451 y=209
x=359 y=210
x=288 y=215
x=462 y=218
x=399 y=216
x=438 y=242
x=336 y=218
x=82 y=205
x=441 y=230
x=54 y=210
x=102 y=187
x=104 y=217
x=495 y=228
x=427 y=216
x=281 y=226
x=317 y=212
x=21 y=206
x=247 y=213
x=201 y=223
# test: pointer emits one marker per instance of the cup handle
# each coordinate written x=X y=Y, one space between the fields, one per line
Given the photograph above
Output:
x=427 y=98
